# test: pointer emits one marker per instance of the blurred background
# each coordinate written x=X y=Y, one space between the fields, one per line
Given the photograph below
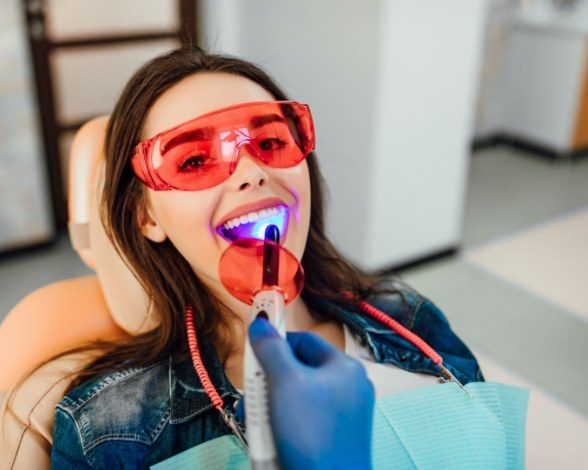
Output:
x=452 y=135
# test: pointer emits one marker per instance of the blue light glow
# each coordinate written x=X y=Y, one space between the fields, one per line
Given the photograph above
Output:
x=257 y=229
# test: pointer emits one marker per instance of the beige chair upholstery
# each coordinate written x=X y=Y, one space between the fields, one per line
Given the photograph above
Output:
x=27 y=415
x=106 y=306
x=127 y=301
x=53 y=321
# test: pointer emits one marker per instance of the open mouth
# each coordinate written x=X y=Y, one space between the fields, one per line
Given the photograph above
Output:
x=253 y=224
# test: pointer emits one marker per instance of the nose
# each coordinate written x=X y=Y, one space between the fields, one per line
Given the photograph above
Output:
x=248 y=173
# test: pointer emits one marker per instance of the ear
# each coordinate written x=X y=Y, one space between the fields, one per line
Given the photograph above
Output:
x=150 y=228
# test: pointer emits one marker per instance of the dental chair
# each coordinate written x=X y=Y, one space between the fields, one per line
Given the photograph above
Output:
x=62 y=316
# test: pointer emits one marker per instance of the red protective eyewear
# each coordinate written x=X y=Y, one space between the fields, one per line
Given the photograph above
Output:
x=204 y=152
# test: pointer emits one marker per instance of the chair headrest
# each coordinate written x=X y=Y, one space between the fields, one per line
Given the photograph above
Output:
x=129 y=305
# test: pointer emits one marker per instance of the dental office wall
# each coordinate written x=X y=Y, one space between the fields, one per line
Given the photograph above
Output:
x=392 y=86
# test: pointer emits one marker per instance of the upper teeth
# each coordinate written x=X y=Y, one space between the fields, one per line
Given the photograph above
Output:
x=252 y=217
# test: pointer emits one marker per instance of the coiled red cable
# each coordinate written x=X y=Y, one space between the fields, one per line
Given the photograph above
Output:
x=408 y=335
x=215 y=398
x=369 y=309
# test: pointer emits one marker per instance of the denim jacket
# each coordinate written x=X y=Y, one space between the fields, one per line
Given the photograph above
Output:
x=137 y=417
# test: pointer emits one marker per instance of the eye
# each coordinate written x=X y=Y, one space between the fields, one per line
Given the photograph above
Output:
x=273 y=143
x=193 y=163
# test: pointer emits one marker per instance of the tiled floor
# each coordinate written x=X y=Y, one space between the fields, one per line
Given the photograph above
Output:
x=519 y=337
x=549 y=261
x=510 y=190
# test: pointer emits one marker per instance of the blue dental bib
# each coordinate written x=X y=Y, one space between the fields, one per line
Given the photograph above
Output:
x=433 y=427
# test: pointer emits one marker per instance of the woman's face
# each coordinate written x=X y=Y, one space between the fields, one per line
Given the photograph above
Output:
x=190 y=218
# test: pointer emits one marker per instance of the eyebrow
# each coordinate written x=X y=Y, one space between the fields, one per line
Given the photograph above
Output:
x=203 y=133
x=259 y=121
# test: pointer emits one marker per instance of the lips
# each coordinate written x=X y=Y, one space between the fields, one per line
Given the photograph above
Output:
x=251 y=207
x=250 y=220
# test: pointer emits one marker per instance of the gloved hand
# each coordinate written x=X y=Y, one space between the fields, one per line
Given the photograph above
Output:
x=321 y=401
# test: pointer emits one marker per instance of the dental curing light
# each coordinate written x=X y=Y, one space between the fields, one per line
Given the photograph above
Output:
x=256 y=224
x=268 y=277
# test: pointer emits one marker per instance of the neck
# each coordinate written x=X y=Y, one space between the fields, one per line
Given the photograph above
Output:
x=234 y=331
x=298 y=318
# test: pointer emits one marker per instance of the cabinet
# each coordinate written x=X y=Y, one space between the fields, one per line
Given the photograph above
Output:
x=543 y=92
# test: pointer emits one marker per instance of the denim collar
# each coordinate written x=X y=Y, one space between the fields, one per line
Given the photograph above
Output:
x=384 y=344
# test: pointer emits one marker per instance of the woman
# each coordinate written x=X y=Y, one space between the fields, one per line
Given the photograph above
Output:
x=142 y=401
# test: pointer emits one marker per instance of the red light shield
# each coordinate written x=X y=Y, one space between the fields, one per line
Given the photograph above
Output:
x=241 y=270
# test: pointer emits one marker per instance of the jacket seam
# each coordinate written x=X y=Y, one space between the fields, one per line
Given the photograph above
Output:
x=406 y=367
x=197 y=412
x=85 y=428
x=133 y=437
x=118 y=437
x=105 y=383
x=160 y=426
x=415 y=312
x=425 y=371
x=80 y=435
x=87 y=447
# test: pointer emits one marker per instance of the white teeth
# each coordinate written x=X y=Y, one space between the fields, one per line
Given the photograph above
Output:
x=252 y=217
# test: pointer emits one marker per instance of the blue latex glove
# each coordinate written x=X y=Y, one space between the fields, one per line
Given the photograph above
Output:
x=321 y=401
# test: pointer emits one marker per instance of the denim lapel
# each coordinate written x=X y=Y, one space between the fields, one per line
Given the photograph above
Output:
x=384 y=344
x=187 y=396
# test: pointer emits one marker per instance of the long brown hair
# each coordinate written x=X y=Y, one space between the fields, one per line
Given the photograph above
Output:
x=164 y=273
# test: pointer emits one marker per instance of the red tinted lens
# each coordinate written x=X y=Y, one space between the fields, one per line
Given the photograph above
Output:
x=280 y=136
x=193 y=164
x=199 y=154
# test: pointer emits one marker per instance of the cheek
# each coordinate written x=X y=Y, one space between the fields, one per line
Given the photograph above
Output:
x=186 y=219
x=306 y=193
x=297 y=182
